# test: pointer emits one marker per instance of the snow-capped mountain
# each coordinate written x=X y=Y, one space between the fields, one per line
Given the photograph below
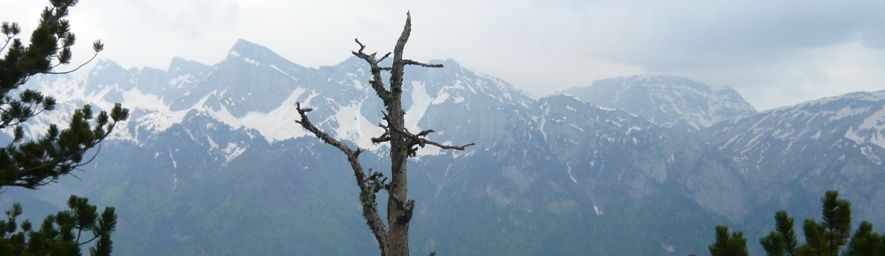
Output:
x=253 y=88
x=835 y=143
x=213 y=157
x=856 y=117
x=669 y=101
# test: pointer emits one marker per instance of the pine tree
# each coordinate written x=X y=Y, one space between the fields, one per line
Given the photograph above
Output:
x=827 y=238
x=392 y=236
x=866 y=242
x=39 y=160
x=782 y=241
x=60 y=234
x=728 y=244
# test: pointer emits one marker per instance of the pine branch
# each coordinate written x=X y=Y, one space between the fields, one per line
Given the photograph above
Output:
x=87 y=241
x=67 y=157
x=76 y=68
x=8 y=39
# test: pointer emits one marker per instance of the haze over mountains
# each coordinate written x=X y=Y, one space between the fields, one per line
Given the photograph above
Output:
x=212 y=163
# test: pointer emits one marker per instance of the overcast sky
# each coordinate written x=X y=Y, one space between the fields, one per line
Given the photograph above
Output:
x=774 y=53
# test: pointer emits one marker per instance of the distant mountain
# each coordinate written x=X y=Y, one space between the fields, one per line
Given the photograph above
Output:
x=669 y=101
x=211 y=162
x=792 y=155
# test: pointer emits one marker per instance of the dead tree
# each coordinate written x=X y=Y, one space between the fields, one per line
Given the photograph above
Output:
x=392 y=236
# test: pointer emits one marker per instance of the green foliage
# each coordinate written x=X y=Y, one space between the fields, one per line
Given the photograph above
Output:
x=60 y=234
x=39 y=160
x=866 y=242
x=728 y=244
x=836 y=221
x=828 y=237
x=782 y=241
x=825 y=238
x=36 y=162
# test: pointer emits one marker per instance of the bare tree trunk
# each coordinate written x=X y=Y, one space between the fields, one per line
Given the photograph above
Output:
x=399 y=207
x=403 y=144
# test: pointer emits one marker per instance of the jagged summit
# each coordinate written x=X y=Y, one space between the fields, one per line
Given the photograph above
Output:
x=670 y=101
x=256 y=88
x=106 y=66
x=243 y=47
x=257 y=55
x=181 y=65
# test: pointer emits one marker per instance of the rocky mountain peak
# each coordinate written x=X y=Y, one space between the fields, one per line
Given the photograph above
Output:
x=669 y=101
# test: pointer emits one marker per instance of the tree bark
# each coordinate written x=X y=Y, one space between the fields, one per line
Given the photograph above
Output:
x=399 y=211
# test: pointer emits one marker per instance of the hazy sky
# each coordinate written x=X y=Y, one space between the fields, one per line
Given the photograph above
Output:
x=773 y=52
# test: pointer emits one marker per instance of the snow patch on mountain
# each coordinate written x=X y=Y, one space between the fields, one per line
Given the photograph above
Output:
x=274 y=67
x=158 y=118
x=233 y=150
x=865 y=112
x=180 y=81
x=570 y=175
x=252 y=62
x=874 y=125
x=824 y=124
x=420 y=101
x=355 y=127
x=279 y=123
x=847 y=112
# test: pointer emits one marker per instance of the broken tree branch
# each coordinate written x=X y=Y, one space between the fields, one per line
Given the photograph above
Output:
x=421 y=141
x=396 y=71
x=426 y=65
x=377 y=83
x=385 y=137
x=368 y=186
x=384 y=57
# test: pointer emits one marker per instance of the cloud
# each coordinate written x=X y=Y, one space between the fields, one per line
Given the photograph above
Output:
x=774 y=52
x=816 y=73
x=668 y=34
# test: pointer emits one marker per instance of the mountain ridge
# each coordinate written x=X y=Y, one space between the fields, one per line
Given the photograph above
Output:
x=549 y=175
x=669 y=101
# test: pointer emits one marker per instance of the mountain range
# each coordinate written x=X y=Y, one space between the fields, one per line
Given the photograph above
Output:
x=211 y=161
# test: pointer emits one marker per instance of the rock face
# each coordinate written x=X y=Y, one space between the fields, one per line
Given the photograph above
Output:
x=791 y=155
x=213 y=164
x=669 y=101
